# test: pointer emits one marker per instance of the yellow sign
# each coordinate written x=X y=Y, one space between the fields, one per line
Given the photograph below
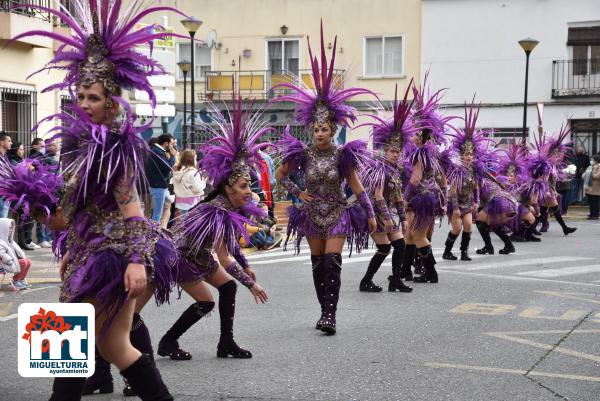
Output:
x=166 y=41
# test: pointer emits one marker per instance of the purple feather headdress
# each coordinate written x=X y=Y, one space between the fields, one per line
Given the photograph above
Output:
x=326 y=103
x=548 y=155
x=102 y=46
x=398 y=130
x=470 y=139
x=514 y=159
x=234 y=149
x=426 y=114
x=30 y=186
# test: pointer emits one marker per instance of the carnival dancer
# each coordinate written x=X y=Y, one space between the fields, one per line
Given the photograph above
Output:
x=325 y=218
x=423 y=196
x=111 y=253
x=215 y=226
x=381 y=177
x=462 y=172
x=497 y=205
x=514 y=175
x=555 y=149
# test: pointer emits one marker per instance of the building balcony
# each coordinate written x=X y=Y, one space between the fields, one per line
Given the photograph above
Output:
x=255 y=84
x=15 y=19
x=575 y=78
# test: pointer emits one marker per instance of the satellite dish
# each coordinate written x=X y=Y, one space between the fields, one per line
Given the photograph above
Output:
x=211 y=40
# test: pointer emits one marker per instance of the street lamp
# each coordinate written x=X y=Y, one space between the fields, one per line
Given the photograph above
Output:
x=191 y=25
x=184 y=66
x=528 y=45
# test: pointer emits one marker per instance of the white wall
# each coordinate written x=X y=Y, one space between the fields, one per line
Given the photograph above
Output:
x=470 y=46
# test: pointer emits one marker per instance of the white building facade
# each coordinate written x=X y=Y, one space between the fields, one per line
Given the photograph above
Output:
x=471 y=47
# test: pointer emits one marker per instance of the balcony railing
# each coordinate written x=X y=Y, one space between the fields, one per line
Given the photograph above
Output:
x=576 y=78
x=255 y=84
x=11 y=6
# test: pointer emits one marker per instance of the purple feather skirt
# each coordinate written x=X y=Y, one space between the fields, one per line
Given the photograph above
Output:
x=426 y=205
x=501 y=208
x=190 y=269
x=352 y=224
x=381 y=226
x=101 y=277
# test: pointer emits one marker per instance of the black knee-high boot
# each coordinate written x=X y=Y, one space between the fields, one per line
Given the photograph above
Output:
x=544 y=219
x=67 y=388
x=366 y=284
x=144 y=378
x=140 y=339
x=227 y=346
x=484 y=230
x=331 y=294
x=508 y=245
x=407 y=262
x=396 y=284
x=429 y=262
x=528 y=230
x=318 y=272
x=168 y=345
x=101 y=380
x=566 y=229
x=464 y=246
x=449 y=244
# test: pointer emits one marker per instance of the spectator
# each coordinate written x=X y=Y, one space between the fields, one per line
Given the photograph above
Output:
x=5 y=145
x=159 y=167
x=268 y=181
x=37 y=152
x=16 y=155
x=38 y=149
x=51 y=156
x=188 y=184
x=582 y=161
x=12 y=257
x=592 y=188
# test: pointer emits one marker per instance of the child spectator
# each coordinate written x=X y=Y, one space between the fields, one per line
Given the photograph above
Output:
x=188 y=183
x=12 y=258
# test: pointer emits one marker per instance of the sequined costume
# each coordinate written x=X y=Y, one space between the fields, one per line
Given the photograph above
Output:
x=466 y=195
x=329 y=214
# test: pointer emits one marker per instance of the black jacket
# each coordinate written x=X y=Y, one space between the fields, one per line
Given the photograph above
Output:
x=159 y=168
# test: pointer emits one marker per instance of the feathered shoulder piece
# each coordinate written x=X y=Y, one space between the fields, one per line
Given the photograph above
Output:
x=102 y=47
x=291 y=151
x=233 y=151
x=326 y=101
x=30 y=186
x=375 y=173
x=95 y=157
x=395 y=132
x=426 y=111
x=210 y=223
x=352 y=157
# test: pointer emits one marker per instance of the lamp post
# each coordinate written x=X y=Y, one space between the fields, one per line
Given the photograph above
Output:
x=191 y=25
x=528 y=45
x=184 y=66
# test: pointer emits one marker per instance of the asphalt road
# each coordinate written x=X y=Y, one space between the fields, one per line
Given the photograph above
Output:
x=517 y=327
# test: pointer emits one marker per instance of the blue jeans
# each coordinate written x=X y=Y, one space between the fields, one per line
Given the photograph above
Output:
x=4 y=207
x=158 y=202
x=41 y=232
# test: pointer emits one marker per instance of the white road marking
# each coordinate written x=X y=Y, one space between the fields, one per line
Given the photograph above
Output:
x=565 y=271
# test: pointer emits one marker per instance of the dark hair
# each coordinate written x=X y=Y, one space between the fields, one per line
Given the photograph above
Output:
x=164 y=138
x=596 y=157
x=218 y=190
x=3 y=136
x=37 y=141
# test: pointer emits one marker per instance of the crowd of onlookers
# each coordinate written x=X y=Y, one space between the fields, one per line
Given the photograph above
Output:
x=176 y=185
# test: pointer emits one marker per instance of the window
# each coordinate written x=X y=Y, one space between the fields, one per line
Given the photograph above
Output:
x=202 y=54
x=283 y=56
x=383 y=56
x=585 y=46
x=18 y=113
